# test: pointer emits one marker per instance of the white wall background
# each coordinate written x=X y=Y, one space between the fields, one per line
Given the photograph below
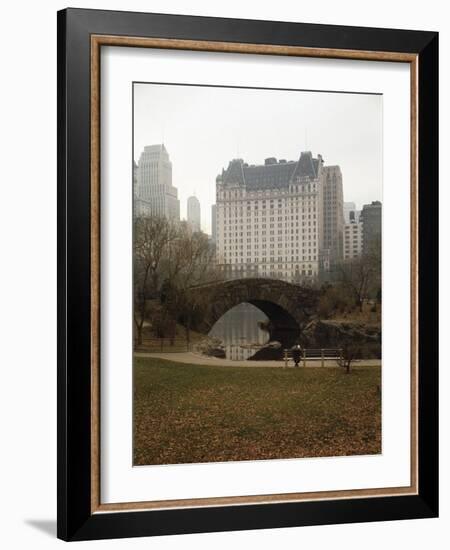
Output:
x=28 y=272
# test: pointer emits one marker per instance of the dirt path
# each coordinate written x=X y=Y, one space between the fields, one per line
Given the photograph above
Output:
x=197 y=359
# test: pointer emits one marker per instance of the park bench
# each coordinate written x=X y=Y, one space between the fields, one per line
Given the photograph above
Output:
x=314 y=355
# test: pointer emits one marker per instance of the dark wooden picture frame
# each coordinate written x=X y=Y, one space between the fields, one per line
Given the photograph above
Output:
x=81 y=34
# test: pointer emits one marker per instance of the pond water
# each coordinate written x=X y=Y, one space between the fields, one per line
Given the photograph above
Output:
x=240 y=331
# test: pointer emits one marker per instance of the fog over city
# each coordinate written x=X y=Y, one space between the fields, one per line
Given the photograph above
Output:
x=203 y=128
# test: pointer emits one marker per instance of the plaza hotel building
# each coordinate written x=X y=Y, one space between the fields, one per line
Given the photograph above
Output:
x=283 y=219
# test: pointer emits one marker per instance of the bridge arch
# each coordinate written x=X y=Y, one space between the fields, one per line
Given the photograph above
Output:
x=289 y=307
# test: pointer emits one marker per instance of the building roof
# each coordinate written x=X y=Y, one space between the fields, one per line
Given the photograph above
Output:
x=272 y=173
x=155 y=147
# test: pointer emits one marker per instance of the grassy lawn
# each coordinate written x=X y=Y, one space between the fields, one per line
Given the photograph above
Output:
x=187 y=413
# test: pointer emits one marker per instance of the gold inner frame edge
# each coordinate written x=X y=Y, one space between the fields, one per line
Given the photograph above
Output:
x=97 y=41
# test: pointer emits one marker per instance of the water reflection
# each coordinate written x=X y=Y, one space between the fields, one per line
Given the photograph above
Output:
x=240 y=331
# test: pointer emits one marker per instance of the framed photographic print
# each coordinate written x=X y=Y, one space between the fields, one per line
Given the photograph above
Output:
x=247 y=245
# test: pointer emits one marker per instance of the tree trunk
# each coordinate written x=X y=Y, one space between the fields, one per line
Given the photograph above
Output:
x=139 y=335
x=188 y=332
x=188 y=335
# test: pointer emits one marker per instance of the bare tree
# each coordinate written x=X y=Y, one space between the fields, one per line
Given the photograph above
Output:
x=334 y=299
x=361 y=276
x=152 y=236
x=349 y=354
x=358 y=277
x=373 y=256
x=190 y=262
x=168 y=260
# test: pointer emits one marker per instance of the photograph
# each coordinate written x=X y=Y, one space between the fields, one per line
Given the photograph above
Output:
x=257 y=273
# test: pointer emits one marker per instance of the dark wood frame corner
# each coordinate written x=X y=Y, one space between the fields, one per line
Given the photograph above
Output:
x=81 y=34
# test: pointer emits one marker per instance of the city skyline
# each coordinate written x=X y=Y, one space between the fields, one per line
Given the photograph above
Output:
x=202 y=138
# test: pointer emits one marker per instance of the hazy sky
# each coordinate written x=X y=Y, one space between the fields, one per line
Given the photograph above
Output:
x=203 y=128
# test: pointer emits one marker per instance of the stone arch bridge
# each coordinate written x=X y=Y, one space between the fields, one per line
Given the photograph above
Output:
x=288 y=306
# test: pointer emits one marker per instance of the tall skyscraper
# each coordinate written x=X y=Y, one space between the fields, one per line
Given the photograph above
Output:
x=193 y=213
x=135 y=171
x=155 y=193
x=270 y=218
x=136 y=206
x=353 y=231
x=213 y=223
x=353 y=239
x=348 y=207
x=333 y=212
x=371 y=224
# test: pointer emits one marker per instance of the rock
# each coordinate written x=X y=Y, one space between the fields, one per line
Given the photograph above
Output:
x=332 y=334
x=213 y=347
x=269 y=352
x=273 y=345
